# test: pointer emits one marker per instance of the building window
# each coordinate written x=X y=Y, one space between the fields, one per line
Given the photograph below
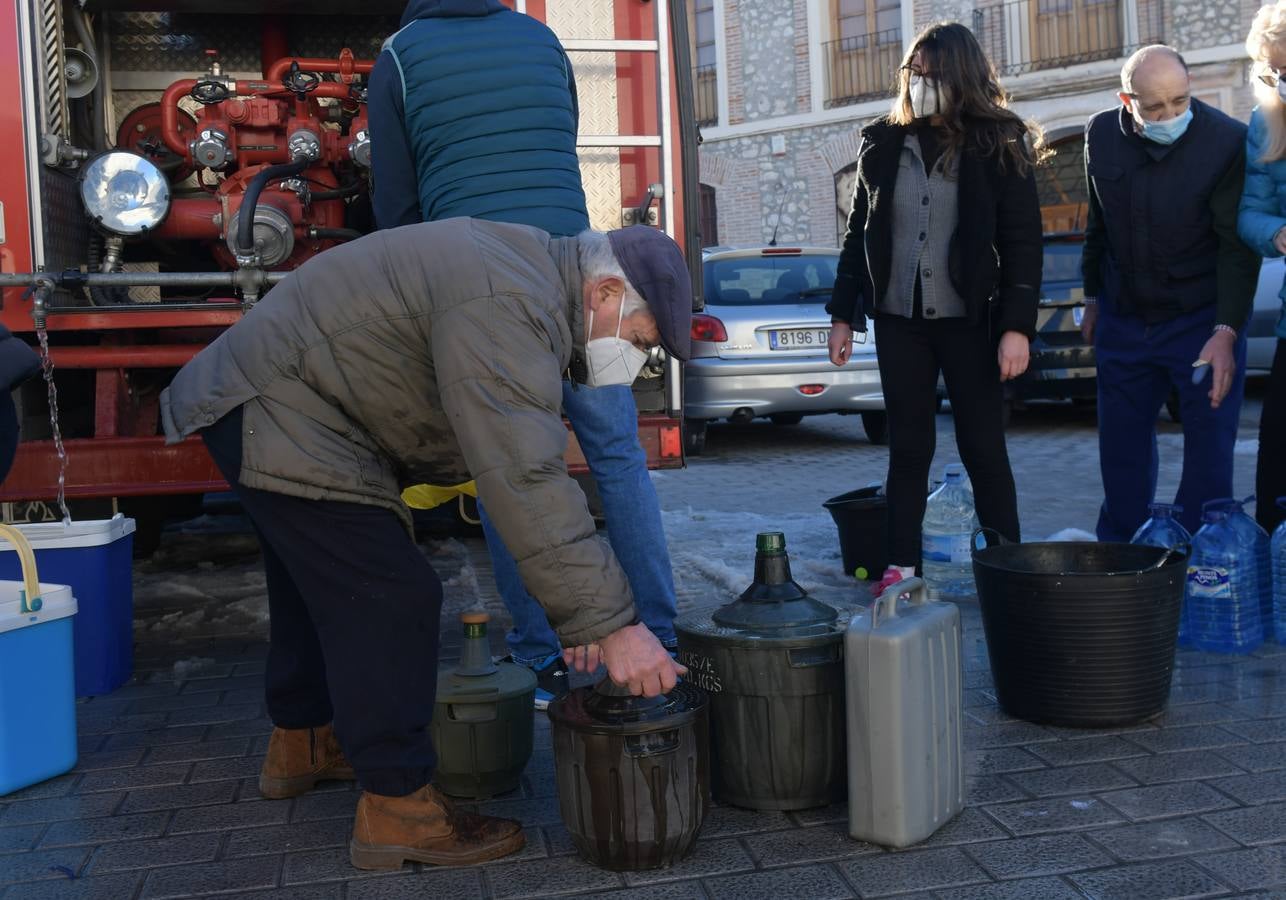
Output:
x=709 y=217
x=861 y=19
x=1064 y=195
x=1026 y=35
x=845 y=182
x=705 y=80
x=863 y=56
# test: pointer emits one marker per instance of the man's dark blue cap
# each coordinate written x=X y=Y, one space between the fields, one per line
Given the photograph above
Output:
x=654 y=264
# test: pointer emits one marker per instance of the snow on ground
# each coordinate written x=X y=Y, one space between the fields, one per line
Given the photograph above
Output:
x=1072 y=534
x=186 y=668
x=713 y=553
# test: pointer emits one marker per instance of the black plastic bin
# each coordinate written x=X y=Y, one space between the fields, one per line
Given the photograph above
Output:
x=861 y=516
x=1080 y=634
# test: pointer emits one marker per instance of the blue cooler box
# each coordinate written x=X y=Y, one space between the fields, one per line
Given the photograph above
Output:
x=96 y=559
x=37 y=698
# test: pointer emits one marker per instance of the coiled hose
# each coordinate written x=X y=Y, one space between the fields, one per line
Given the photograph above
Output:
x=246 y=215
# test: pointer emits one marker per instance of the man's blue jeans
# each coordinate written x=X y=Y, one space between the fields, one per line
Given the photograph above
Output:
x=605 y=420
x=1138 y=365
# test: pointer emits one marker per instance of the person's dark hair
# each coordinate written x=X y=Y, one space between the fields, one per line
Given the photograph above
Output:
x=975 y=109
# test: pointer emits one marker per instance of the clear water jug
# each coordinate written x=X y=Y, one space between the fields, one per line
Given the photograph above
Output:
x=949 y=524
x=1279 y=578
x=1164 y=530
x=1259 y=541
x=1223 y=608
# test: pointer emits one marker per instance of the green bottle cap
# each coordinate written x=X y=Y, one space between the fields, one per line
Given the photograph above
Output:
x=770 y=542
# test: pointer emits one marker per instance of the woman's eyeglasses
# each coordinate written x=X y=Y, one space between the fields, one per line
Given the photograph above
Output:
x=914 y=71
x=1269 y=75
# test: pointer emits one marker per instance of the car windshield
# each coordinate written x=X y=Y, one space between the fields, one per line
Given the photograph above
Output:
x=1061 y=274
x=763 y=280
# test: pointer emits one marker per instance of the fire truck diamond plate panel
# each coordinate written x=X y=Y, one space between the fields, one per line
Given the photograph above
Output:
x=578 y=20
x=166 y=42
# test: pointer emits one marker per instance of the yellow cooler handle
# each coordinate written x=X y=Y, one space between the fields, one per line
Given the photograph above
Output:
x=29 y=597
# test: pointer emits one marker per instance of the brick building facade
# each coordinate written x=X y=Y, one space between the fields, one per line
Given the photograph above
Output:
x=796 y=79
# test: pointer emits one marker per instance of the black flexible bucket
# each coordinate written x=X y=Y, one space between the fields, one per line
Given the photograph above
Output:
x=1080 y=634
x=861 y=518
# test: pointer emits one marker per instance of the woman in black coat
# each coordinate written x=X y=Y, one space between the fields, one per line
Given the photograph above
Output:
x=943 y=251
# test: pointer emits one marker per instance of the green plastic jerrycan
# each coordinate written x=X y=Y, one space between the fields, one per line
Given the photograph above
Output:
x=482 y=722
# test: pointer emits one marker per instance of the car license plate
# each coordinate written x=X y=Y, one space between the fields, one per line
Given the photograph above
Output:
x=798 y=338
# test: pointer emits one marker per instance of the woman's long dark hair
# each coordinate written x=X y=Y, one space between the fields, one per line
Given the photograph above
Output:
x=974 y=108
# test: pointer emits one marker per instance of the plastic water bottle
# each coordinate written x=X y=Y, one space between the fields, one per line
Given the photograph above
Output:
x=1259 y=541
x=1277 y=557
x=1164 y=530
x=946 y=541
x=1223 y=609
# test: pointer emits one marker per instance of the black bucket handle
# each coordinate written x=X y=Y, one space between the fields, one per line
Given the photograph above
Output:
x=1001 y=540
x=1183 y=551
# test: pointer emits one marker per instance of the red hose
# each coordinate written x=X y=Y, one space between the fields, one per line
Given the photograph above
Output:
x=342 y=66
x=170 y=116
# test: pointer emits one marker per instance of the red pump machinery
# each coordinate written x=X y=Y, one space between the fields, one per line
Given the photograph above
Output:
x=135 y=252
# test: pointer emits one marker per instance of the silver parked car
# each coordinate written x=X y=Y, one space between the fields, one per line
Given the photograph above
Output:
x=759 y=347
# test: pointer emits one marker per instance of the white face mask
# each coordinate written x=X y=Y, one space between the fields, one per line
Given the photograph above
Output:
x=612 y=360
x=925 y=101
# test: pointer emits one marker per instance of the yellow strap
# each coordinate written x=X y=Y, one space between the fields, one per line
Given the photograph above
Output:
x=27 y=558
x=427 y=496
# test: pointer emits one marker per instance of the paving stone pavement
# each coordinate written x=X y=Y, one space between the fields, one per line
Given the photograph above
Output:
x=163 y=802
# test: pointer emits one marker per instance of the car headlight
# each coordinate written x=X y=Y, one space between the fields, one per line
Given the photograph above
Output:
x=125 y=193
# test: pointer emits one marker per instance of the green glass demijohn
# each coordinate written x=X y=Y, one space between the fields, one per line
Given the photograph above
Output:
x=773 y=663
x=633 y=773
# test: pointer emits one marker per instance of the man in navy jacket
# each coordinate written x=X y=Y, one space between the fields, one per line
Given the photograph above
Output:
x=1168 y=286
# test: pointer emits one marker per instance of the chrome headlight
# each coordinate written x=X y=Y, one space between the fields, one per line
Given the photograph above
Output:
x=125 y=193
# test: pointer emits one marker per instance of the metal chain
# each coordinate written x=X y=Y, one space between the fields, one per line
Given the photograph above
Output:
x=47 y=368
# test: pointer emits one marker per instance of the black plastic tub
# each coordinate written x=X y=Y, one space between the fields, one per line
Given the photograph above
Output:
x=1080 y=634
x=861 y=517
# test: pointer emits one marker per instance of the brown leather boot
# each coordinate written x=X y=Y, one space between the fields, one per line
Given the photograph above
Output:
x=424 y=827
x=298 y=758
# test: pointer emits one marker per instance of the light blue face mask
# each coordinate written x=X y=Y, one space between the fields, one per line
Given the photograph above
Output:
x=1167 y=131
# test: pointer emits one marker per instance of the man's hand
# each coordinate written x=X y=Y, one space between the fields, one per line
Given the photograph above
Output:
x=1223 y=367
x=633 y=656
x=1088 y=321
x=841 y=342
x=1279 y=240
x=1013 y=355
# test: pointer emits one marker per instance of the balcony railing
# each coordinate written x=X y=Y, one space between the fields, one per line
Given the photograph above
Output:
x=862 y=67
x=1028 y=35
x=705 y=85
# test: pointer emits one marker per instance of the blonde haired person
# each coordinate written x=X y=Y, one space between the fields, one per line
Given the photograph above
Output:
x=1262 y=225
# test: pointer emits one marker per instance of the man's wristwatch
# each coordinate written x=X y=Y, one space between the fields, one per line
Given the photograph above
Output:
x=1090 y=301
x=1228 y=328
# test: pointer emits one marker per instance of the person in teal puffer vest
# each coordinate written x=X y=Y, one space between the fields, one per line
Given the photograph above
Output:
x=473 y=112
x=1261 y=223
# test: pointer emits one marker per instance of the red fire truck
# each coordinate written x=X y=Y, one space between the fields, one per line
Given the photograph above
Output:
x=140 y=214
